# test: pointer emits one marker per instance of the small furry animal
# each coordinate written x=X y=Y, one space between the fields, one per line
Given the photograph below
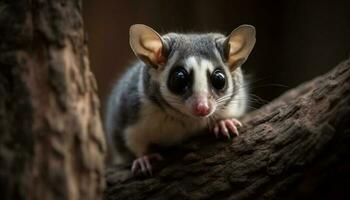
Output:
x=182 y=84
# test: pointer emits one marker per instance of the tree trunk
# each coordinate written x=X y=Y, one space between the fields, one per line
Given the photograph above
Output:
x=51 y=138
x=296 y=147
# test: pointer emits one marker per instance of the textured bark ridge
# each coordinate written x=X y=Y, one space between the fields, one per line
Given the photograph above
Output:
x=51 y=138
x=296 y=147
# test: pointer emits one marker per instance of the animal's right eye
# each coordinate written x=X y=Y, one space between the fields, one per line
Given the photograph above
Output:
x=178 y=80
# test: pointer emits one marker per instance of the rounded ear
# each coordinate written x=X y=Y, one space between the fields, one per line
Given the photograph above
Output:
x=147 y=45
x=239 y=44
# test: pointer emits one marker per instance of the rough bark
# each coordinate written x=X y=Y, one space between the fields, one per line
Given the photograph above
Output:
x=51 y=138
x=296 y=147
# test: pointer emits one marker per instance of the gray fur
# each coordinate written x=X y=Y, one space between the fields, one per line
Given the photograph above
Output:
x=152 y=90
x=201 y=46
x=124 y=104
x=122 y=110
x=198 y=45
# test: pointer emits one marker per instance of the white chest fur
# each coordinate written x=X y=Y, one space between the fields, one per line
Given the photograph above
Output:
x=158 y=127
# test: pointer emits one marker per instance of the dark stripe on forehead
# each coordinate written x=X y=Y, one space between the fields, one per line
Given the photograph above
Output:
x=189 y=92
x=210 y=87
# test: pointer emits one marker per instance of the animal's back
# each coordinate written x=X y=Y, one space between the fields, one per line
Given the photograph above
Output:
x=122 y=110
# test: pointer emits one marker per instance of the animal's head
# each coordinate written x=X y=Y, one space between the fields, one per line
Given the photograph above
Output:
x=195 y=72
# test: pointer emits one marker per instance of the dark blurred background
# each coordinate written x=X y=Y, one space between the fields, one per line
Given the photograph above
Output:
x=296 y=40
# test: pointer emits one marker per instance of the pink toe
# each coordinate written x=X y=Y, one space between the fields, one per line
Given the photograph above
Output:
x=232 y=127
x=143 y=165
x=134 y=167
x=224 y=129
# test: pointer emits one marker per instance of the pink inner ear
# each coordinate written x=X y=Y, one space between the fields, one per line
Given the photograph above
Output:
x=235 y=46
x=236 y=52
x=160 y=59
x=154 y=48
x=152 y=45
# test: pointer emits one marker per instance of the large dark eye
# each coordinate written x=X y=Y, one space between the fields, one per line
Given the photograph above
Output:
x=218 y=79
x=178 y=80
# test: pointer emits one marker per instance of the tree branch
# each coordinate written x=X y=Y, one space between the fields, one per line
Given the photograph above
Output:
x=297 y=146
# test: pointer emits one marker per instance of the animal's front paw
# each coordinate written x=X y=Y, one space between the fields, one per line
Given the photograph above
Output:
x=226 y=127
x=143 y=164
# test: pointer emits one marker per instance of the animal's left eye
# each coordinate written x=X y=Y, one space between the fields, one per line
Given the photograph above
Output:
x=218 y=79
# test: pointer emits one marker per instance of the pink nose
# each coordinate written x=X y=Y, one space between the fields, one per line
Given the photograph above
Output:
x=201 y=109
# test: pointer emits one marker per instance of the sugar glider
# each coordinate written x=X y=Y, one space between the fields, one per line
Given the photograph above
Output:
x=182 y=84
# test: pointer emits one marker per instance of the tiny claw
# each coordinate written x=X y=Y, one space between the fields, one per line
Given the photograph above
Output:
x=235 y=121
x=232 y=127
x=143 y=164
x=228 y=135
x=136 y=166
x=224 y=129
